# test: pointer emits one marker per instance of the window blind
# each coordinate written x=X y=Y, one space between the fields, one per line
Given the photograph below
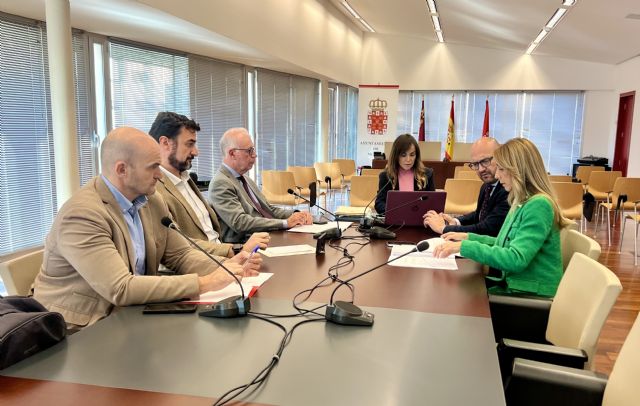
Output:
x=217 y=104
x=343 y=117
x=145 y=82
x=27 y=170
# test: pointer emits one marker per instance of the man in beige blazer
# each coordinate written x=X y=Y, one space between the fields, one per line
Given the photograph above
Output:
x=177 y=136
x=237 y=199
x=107 y=241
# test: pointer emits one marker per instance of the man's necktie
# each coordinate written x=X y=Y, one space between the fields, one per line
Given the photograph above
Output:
x=254 y=201
x=485 y=202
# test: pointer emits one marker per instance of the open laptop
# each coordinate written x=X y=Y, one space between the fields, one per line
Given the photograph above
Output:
x=406 y=208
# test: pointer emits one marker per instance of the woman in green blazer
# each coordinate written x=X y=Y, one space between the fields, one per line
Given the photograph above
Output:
x=526 y=253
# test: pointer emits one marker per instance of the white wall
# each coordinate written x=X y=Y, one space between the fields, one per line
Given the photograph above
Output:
x=627 y=79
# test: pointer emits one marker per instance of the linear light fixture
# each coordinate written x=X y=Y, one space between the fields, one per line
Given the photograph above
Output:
x=435 y=19
x=355 y=15
x=551 y=24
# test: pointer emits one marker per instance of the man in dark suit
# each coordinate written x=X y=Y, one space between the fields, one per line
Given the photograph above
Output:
x=237 y=200
x=492 y=205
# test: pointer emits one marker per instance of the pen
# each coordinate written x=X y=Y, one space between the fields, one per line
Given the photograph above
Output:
x=253 y=251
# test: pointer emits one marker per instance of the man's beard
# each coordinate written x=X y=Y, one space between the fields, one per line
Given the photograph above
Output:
x=181 y=166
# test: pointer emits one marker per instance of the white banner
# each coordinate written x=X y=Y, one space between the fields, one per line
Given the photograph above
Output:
x=377 y=116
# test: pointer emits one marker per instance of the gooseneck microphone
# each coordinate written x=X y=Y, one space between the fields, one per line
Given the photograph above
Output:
x=331 y=233
x=341 y=312
x=233 y=306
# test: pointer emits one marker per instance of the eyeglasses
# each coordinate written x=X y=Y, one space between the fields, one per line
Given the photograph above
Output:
x=251 y=151
x=484 y=163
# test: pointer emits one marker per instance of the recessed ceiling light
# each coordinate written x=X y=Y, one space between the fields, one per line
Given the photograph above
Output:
x=439 y=35
x=553 y=21
x=366 y=25
x=540 y=36
x=556 y=17
x=569 y=3
x=350 y=10
x=432 y=6
x=436 y=23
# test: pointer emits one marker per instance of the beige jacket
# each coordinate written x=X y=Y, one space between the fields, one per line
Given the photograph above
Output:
x=89 y=258
x=187 y=220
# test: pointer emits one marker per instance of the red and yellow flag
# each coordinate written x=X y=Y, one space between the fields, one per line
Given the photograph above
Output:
x=451 y=136
x=421 y=131
x=485 y=126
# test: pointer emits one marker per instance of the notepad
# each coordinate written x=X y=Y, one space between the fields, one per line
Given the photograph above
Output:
x=249 y=284
x=318 y=228
x=287 y=250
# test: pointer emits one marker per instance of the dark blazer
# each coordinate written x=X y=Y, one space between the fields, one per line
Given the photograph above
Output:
x=384 y=186
x=497 y=210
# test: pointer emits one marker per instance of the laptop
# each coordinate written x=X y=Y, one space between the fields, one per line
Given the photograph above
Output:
x=406 y=208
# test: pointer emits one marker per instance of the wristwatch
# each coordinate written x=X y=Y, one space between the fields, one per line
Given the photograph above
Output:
x=236 y=248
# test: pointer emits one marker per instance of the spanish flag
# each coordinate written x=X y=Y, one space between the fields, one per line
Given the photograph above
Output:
x=451 y=136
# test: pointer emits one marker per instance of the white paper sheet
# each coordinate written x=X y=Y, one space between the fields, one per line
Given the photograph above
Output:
x=233 y=289
x=286 y=250
x=318 y=228
x=423 y=259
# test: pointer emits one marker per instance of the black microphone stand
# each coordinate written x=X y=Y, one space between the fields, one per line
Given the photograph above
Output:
x=332 y=233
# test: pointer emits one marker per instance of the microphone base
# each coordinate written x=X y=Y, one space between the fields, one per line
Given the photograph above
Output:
x=348 y=314
x=234 y=306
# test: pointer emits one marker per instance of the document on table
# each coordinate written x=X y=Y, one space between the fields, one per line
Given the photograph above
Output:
x=249 y=284
x=286 y=250
x=352 y=211
x=318 y=228
x=423 y=259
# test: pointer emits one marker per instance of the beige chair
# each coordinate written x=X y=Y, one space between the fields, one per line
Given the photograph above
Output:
x=573 y=241
x=584 y=172
x=462 y=151
x=330 y=170
x=19 y=273
x=275 y=185
x=430 y=150
x=462 y=195
x=586 y=294
x=635 y=217
x=370 y=172
x=462 y=168
x=600 y=183
x=629 y=187
x=388 y=145
x=467 y=175
x=363 y=190
x=303 y=176
x=538 y=383
x=347 y=168
x=570 y=197
x=560 y=178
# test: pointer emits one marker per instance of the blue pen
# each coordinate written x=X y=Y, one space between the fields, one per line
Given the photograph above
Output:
x=253 y=251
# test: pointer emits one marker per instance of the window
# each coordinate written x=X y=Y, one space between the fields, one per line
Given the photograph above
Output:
x=144 y=82
x=286 y=121
x=217 y=104
x=552 y=120
x=27 y=172
x=343 y=118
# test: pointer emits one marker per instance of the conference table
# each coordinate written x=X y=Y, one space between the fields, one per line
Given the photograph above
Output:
x=431 y=343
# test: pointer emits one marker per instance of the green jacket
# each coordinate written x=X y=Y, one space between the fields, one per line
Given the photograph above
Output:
x=527 y=249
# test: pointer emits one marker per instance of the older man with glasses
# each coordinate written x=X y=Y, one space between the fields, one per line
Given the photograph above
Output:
x=492 y=205
x=237 y=200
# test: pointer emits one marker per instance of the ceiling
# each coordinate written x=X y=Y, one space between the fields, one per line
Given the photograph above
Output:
x=592 y=30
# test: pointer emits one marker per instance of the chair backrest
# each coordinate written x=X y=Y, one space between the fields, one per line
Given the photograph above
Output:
x=330 y=169
x=602 y=182
x=275 y=185
x=629 y=187
x=387 y=149
x=462 y=195
x=560 y=178
x=430 y=150
x=583 y=172
x=582 y=303
x=363 y=189
x=303 y=176
x=462 y=151
x=370 y=172
x=461 y=168
x=19 y=273
x=570 y=196
x=622 y=387
x=573 y=241
x=347 y=167
x=467 y=175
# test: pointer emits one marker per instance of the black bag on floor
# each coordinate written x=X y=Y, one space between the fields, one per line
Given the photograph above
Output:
x=26 y=328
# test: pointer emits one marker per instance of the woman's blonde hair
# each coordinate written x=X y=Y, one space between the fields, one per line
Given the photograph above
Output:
x=402 y=144
x=521 y=158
